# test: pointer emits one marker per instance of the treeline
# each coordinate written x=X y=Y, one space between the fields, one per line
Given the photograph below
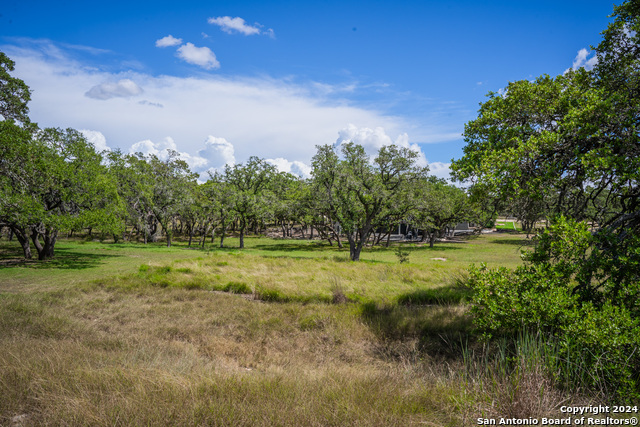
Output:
x=350 y=198
x=53 y=181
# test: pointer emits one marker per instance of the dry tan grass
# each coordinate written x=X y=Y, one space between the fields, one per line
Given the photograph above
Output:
x=178 y=357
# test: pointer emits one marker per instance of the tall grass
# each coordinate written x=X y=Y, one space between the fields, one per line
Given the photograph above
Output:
x=269 y=336
x=119 y=355
x=527 y=376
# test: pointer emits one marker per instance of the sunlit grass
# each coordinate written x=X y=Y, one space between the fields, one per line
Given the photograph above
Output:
x=78 y=260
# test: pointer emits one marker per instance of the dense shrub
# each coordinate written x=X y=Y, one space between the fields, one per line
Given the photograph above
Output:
x=571 y=290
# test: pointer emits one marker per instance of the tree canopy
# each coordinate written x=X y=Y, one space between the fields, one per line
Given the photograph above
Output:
x=568 y=147
x=359 y=194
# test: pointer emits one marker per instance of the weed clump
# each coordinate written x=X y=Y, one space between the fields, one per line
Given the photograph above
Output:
x=402 y=254
x=271 y=295
x=237 y=288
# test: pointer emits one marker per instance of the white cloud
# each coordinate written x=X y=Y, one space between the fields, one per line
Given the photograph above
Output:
x=218 y=152
x=441 y=170
x=196 y=163
x=202 y=56
x=295 y=167
x=168 y=41
x=263 y=117
x=237 y=24
x=161 y=150
x=148 y=147
x=374 y=139
x=97 y=139
x=121 y=89
x=582 y=60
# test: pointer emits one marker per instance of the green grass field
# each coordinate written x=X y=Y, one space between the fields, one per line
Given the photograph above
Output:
x=285 y=332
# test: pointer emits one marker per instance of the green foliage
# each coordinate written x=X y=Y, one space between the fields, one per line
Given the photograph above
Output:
x=569 y=146
x=172 y=181
x=438 y=205
x=597 y=328
x=14 y=93
x=53 y=180
x=529 y=298
x=248 y=184
x=50 y=179
x=360 y=195
x=607 y=339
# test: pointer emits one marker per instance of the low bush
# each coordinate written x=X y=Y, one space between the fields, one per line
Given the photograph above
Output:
x=556 y=293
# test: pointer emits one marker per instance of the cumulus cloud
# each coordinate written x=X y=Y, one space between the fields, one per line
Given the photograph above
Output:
x=202 y=56
x=97 y=139
x=159 y=149
x=162 y=148
x=218 y=152
x=238 y=25
x=262 y=117
x=168 y=41
x=440 y=170
x=374 y=139
x=582 y=60
x=295 y=167
x=124 y=88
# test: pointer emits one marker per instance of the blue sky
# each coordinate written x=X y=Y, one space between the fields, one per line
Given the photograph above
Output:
x=274 y=79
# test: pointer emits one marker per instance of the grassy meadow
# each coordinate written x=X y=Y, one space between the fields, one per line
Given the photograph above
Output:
x=285 y=332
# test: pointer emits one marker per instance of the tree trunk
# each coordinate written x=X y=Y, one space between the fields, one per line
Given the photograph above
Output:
x=356 y=243
x=337 y=236
x=46 y=248
x=205 y=231
x=377 y=238
x=224 y=230
x=50 y=241
x=23 y=238
x=354 y=248
x=432 y=238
